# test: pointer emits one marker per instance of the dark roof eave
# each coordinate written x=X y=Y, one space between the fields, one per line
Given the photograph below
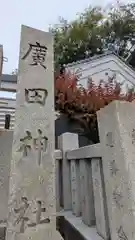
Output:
x=107 y=53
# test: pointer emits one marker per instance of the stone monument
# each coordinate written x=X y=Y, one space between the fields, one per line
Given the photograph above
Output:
x=6 y=137
x=117 y=138
x=32 y=201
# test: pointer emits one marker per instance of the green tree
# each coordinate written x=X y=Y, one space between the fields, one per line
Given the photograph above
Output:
x=80 y=105
x=74 y=40
x=86 y=35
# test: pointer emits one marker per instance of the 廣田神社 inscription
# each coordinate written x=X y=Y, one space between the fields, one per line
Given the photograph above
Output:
x=32 y=210
x=38 y=54
x=28 y=143
x=38 y=217
x=40 y=143
x=117 y=198
x=113 y=168
x=109 y=139
x=133 y=136
x=121 y=234
x=21 y=213
x=36 y=95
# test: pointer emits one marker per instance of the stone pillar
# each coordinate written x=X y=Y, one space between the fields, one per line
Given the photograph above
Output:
x=67 y=141
x=86 y=192
x=75 y=187
x=32 y=200
x=117 y=135
x=6 y=138
x=101 y=213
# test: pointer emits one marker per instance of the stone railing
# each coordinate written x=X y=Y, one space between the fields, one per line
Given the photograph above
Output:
x=97 y=182
x=80 y=183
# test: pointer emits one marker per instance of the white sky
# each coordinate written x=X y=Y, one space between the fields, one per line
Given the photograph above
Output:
x=34 y=13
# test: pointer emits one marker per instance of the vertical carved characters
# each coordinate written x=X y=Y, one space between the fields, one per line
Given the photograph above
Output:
x=28 y=143
x=121 y=234
x=38 y=212
x=22 y=218
x=109 y=139
x=36 y=95
x=38 y=54
x=113 y=168
x=21 y=214
x=133 y=136
x=117 y=198
x=96 y=182
x=40 y=143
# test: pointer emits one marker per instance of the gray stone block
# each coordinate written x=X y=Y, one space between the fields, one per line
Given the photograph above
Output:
x=117 y=134
x=32 y=182
x=6 y=138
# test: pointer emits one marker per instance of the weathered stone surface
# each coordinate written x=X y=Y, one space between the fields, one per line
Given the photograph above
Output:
x=86 y=193
x=99 y=199
x=67 y=141
x=75 y=187
x=32 y=198
x=116 y=129
x=6 y=138
x=39 y=232
x=2 y=231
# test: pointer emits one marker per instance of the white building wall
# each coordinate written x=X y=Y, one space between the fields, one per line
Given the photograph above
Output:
x=102 y=67
x=98 y=68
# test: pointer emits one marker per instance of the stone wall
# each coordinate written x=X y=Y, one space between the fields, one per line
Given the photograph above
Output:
x=95 y=182
x=6 y=137
x=99 y=180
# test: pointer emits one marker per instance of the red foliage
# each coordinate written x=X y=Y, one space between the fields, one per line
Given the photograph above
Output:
x=81 y=104
x=93 y=98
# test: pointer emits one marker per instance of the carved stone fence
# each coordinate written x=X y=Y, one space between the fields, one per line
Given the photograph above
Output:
x=97 y=182
x=80 y=183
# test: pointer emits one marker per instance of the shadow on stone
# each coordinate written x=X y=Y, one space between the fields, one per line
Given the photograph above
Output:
x=67 y=231
x=2 y=233
x=47 y=220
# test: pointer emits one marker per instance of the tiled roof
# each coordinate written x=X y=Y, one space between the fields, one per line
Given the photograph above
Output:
x=96 y=57
x=90 y=59
x=13 y=78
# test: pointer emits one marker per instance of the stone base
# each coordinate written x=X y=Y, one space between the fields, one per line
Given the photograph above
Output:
x=40 y=232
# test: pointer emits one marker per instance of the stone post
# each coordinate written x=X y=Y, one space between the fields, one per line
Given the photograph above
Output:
x=101 y=213
x=67 y=141
x=117 y=135
x=32 y=199
x=6 y=138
